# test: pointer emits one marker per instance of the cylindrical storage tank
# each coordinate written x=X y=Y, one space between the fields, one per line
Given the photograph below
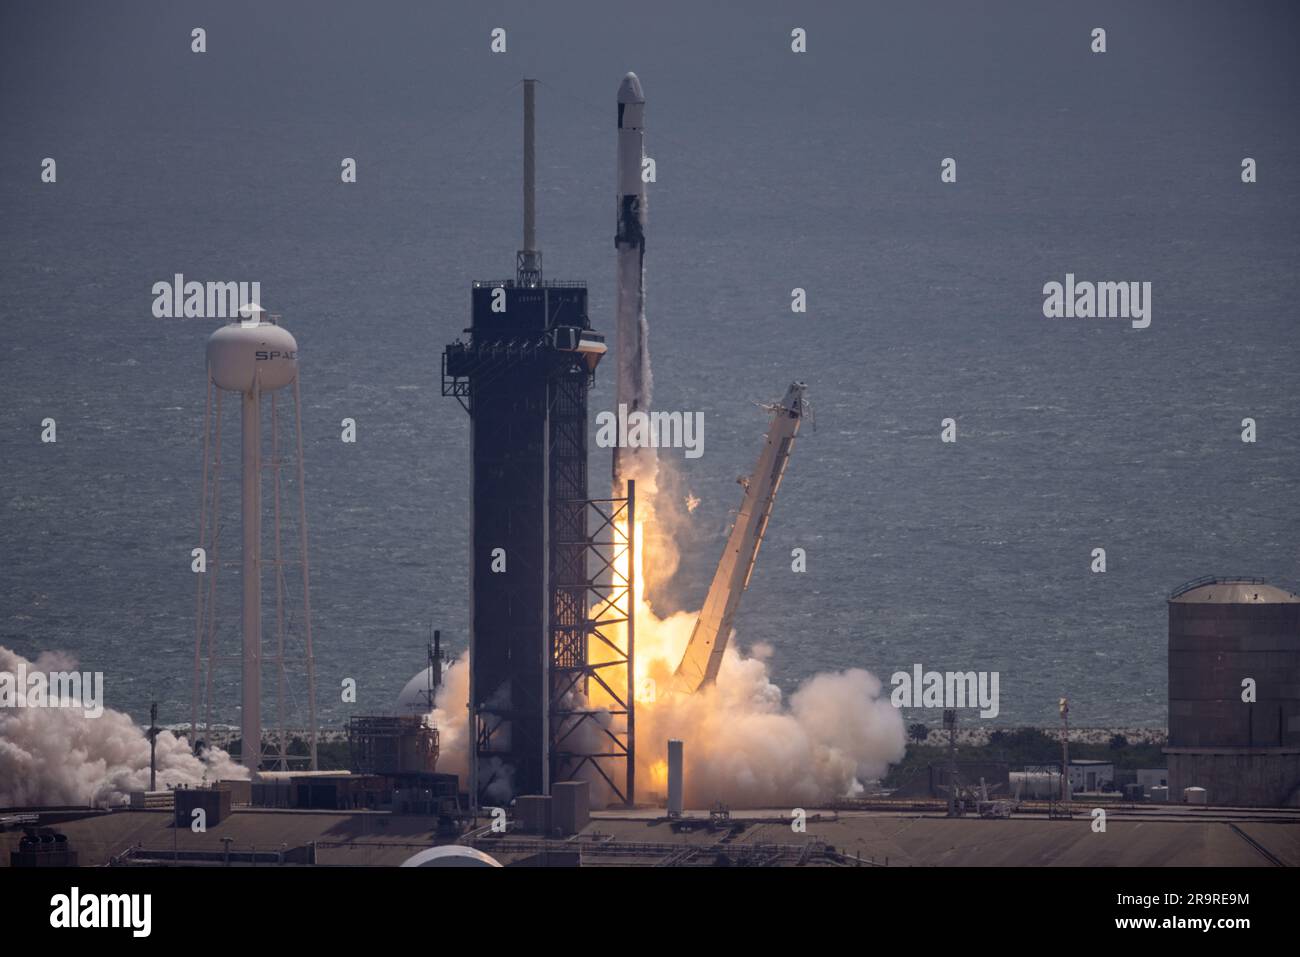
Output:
x=242 y=351
x=1035 y=785
x=1222 y=632
x=676 y=783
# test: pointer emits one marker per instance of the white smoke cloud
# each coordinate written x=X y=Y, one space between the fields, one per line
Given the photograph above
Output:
x=451 y=718
x=746 y=746
x=744 y=743
x=58 y=756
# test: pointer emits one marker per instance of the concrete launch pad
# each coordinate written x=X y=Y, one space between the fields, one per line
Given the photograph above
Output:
x=1199 y=837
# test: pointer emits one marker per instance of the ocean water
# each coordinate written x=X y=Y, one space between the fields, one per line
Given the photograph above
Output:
x=775 y=171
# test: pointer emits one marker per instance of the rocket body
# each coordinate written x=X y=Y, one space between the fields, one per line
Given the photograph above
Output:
x=629 y=243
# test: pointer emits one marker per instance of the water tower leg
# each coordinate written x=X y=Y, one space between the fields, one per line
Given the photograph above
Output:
x=198 y=579
x=306 y=578
x=251 y=575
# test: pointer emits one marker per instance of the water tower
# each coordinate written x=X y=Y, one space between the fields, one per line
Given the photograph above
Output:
x=253 y=357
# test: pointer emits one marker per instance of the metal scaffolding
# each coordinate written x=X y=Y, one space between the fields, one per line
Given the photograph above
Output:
x=594 y=604
x=392 y=744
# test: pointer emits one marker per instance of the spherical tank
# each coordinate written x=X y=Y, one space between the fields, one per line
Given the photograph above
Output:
x=242 y=352
x=1222 y=632
x=414 y=698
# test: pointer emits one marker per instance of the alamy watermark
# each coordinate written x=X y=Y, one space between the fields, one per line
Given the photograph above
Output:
x=178 y=299
x=1098 y=300
x=74 y=909
x=53 y=689
x=946 y=689
x=651 y=430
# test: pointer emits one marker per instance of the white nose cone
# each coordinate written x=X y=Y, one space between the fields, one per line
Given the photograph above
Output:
x=245 y=352
x=629 y=91
x=631 y=113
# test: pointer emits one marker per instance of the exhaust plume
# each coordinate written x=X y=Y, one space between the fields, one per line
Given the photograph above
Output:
x=61 y=756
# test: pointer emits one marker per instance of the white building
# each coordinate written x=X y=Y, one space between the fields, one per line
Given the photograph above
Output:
x=1152 y=778
x=1088 y=775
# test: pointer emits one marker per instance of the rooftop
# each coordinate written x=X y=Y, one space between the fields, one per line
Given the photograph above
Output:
x=544 y=284
x=1232 y=591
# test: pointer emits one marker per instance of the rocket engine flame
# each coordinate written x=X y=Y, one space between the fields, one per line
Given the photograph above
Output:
x=745 y=744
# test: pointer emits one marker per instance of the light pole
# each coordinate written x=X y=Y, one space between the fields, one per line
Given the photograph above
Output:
x=1065 y=750
x=950 y=722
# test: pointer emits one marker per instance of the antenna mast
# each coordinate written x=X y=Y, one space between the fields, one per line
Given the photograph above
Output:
x=528 y=263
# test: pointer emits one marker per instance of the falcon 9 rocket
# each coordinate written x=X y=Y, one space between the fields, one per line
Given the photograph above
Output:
x=629 y=241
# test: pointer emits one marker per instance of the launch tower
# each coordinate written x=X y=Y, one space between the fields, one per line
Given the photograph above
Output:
x=543 y=579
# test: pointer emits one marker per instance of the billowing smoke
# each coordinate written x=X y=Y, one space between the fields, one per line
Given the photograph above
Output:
x=62 y=756
x=745 y=744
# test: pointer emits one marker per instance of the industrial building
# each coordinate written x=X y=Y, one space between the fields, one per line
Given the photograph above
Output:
x=387 y=744
x=1234 y=692
x=1148 y=778
x=213 y=804
x=42 y=847
x=1091 y=775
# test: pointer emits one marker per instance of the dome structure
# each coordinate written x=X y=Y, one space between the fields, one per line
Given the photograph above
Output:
x=451 y=855
x=414 y=697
